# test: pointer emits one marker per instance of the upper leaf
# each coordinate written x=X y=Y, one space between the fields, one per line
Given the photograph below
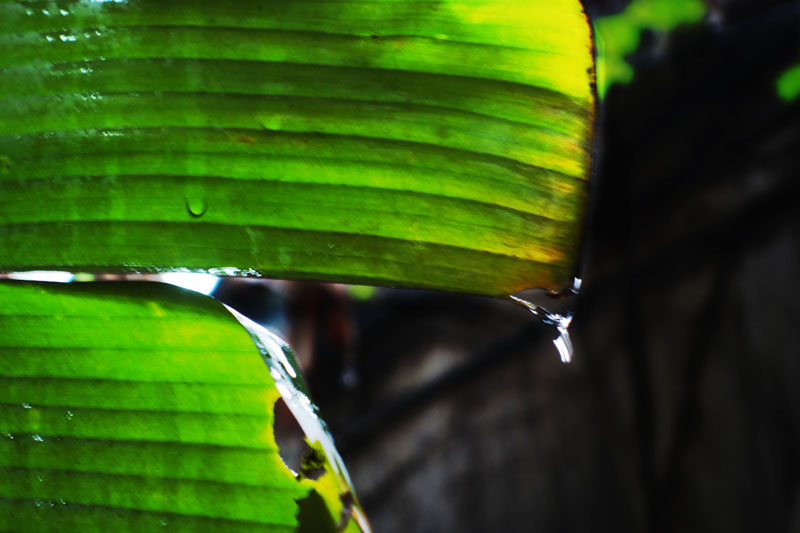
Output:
x=439 y=144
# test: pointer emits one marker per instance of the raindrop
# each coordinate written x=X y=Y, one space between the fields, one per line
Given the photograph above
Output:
x=69 y=415
x=38 y=438
x=576 y=285
x=225 y=271
x=561 y=323
x=163 y=523
x=10 y=436
x=196 y=207
x=27 y=406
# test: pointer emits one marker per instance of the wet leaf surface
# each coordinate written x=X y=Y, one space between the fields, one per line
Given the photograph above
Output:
x=136 y=407
x=441 y=144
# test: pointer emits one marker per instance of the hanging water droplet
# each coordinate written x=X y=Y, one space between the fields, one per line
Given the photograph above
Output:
x=576 y=284
x=38 y=438
x=563 y=342
x=561 y=323
x=196 y=206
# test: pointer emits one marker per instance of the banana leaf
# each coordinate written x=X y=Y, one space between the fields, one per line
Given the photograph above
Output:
x=141 y=407
x=439 y=144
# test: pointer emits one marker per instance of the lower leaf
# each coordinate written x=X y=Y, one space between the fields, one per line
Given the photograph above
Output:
x=136 y=410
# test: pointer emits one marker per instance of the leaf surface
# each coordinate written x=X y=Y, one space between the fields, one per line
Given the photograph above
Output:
x=132 y=407
x=437 y=144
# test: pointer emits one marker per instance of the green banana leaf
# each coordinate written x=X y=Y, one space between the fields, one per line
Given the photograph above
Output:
x=439 y=144
x=142 y=407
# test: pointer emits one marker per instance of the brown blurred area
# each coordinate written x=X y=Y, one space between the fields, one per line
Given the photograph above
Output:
x=681 y=410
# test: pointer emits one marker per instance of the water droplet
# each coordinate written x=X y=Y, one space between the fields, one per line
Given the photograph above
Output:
x=69 y=415
x=561 y=323
x=27 y=406
x=63 y=12
x=163 y=523
x=38 y=438
x=44 y=503
x=196 y=207
x=39 y=478
x=10 y=436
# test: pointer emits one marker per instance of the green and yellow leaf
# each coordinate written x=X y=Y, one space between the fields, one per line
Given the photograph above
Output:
x=132 y=407
x=439 y=144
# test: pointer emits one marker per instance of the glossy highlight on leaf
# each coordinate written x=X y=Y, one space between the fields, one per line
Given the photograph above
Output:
x=132 y=407
x=441 y=144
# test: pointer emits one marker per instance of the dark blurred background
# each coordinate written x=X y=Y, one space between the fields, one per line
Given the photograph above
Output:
x=681 y=409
